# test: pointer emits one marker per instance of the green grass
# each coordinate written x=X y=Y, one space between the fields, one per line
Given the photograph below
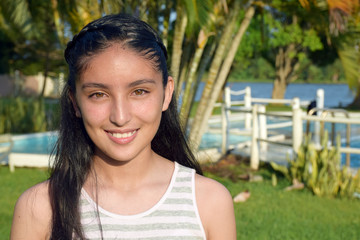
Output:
x=270 y=212
x=11 y=187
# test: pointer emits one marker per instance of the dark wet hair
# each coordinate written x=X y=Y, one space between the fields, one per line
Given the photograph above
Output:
x=74 y=150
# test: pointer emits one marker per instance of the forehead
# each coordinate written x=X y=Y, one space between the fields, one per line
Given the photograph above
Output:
x=120 y=62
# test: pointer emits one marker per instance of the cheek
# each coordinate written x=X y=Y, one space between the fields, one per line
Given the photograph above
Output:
x=93 y=114
x=149 y=110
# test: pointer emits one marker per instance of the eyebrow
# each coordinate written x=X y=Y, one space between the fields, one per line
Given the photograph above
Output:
x=141 y=81
x=104 y=86
x=94 y=85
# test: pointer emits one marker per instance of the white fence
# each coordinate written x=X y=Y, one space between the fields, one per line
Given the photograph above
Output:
x=258 y=130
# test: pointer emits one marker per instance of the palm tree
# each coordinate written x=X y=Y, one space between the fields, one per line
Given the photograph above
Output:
x=31 y=26
x=342 y=28
x=219 y=71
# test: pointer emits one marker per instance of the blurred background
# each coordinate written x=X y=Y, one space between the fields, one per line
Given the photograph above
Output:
x=210 y=42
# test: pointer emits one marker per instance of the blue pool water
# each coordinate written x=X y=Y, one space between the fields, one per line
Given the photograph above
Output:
x=214 y=140
x=43 y=143
x=39 y=143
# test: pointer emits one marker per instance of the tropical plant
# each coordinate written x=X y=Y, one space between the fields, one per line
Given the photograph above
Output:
x=224 y=55
x=339 y=20
x=30 y=26
x=287 y=38
x=320 y=170
x=22 y=115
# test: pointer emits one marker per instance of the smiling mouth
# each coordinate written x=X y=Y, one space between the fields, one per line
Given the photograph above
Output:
x=123 y=135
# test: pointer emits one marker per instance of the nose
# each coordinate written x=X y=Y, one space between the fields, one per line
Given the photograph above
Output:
x=120 y=113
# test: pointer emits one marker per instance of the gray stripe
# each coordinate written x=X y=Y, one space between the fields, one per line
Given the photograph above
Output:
x=164 y=213
x=141 y=227
x=179 y=201
x=183 y=179
x=181 y=190
x=86 y=215
x=184 y=169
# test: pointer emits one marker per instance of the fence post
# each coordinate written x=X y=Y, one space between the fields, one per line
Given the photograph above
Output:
x=225 y=112
x=254 y=158
x=227 y=99
x=224 y=128
x=297 y=130
x=247 y=104
x=319 y=105
x=262 y=127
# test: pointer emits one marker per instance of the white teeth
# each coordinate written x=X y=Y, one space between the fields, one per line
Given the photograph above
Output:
x=123 y=135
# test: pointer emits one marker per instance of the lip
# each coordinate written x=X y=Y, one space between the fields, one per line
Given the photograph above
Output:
x=122 y=137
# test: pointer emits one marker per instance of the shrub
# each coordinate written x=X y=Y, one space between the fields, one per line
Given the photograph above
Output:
x=26 y=115
x=320 y=170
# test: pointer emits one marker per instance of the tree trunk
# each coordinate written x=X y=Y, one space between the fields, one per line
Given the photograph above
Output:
x=285 y=65
x=213 y=72
x=186 y=100
x=184 y=66
x=165 y=32
x=49 y=29
x=356 y=103
x=185 y=106
x=202 y=117
x=207 y=55
x=179 y=32
x=279 y=89
x=57 y=21
x=46 y=72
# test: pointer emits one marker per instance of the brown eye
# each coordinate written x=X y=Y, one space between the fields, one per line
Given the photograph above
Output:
x=139 y=92
x=98 y=95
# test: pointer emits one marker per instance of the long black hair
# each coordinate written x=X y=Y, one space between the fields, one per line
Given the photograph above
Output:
x=74 y=149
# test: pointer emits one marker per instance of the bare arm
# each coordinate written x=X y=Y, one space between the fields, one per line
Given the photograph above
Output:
x=216 y=209
x=32 y=214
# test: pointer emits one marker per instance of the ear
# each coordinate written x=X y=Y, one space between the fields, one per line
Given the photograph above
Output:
x=75 y=105
x=169 y=89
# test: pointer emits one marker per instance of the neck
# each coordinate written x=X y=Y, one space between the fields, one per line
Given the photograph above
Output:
x=125 y=174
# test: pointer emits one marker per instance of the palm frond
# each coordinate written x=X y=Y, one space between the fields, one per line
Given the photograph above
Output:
x=17 y=15
x=198 y=12
x=350 y=59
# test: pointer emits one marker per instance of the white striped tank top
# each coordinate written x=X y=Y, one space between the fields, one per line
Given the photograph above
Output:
x=174 y=217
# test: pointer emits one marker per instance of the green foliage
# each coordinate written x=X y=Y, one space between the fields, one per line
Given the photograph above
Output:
x=26 y=115
x=320 y=170
x=256 y=68
x=282 y=34
x=198 y=12
x=6 y=49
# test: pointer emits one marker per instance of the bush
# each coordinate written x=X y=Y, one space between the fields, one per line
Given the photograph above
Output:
x=320 y=170
x=27 y=115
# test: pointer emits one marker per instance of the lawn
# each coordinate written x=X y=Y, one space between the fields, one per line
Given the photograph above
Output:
x=270 y=212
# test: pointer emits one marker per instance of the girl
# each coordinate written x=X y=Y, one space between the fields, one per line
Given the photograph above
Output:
x=123 y=169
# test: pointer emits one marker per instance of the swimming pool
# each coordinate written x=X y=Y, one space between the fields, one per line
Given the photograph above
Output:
x=37 y=143
x=41 y=144
x=210 y=140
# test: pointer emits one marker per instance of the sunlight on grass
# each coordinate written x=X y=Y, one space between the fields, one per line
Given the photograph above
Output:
x=270 y=212
x=12 y=185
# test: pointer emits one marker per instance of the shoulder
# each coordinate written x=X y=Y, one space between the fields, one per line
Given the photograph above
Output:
x=216 y=208
x=32 y=214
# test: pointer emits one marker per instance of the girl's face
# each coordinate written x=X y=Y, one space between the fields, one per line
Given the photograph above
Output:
x=120 y=97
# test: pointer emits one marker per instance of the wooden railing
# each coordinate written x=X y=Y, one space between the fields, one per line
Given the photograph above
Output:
x=258 y=130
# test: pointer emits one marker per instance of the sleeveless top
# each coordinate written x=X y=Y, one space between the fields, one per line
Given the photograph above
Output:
x=174 y=217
